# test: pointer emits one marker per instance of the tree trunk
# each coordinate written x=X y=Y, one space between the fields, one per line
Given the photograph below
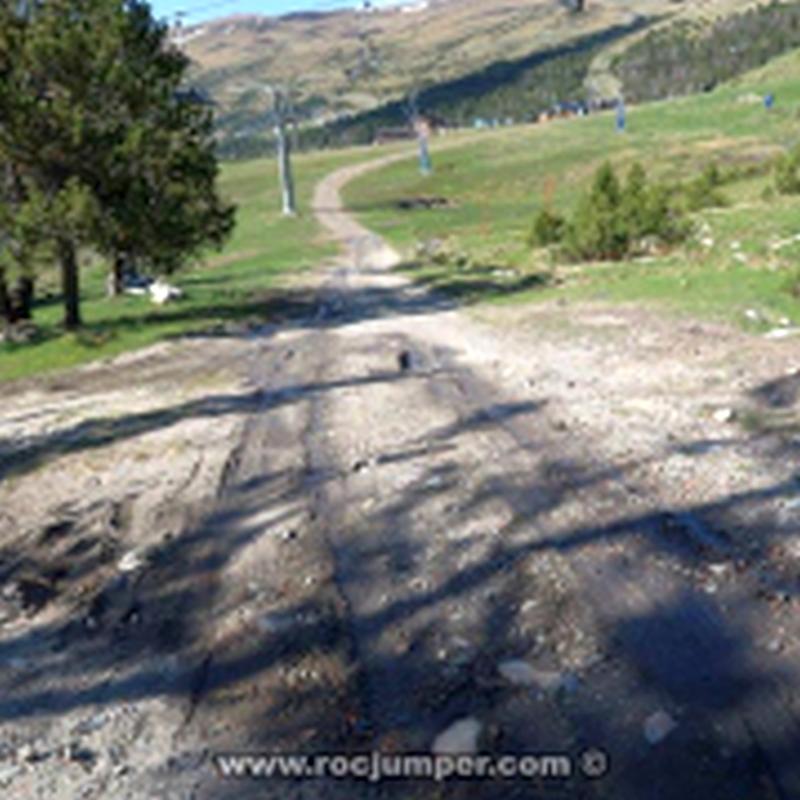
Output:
x=70 y=284
x=22 y=298
x=16 y=304
x=6 y=308
x=114 y=285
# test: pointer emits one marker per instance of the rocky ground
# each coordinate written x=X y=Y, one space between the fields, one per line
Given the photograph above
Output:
x=389 y=525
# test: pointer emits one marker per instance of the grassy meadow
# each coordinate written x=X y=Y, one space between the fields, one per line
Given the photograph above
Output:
x=235 y=285
x=744 y=258
x=740 y=261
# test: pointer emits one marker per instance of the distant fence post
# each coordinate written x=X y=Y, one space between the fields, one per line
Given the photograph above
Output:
x=423 y=130
x=425 y=165
x=622 y=117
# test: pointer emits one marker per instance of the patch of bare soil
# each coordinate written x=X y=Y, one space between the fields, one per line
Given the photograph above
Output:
x=423 y=202
x=103 y=471
x=392 y=526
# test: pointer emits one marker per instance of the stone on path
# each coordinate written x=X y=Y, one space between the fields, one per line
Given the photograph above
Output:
x=461 y=738
x=520 y=673
x=724 y=415
x=658 y=727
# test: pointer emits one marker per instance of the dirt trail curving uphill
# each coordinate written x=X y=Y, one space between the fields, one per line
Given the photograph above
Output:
x=533 y=519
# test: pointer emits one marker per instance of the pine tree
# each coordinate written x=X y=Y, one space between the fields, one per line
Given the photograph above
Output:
x=157 y=184
x=116 y=157
x=598 y=229
x=16 y=276
x=635 y=203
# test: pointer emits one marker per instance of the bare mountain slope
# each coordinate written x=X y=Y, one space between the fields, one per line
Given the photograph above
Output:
x=347 y=61
x=323 y=54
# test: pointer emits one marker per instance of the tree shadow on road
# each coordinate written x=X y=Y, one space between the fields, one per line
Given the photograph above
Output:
x=476 y=283
x=640 y=579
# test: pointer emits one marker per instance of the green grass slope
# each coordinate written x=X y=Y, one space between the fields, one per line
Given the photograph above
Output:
x=237 y=285
x=468 y=57
x=494 y=186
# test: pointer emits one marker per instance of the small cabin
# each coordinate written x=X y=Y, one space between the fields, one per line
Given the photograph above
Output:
x=389 y=135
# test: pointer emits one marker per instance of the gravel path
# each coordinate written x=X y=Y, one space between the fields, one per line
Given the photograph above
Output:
x=534 y=530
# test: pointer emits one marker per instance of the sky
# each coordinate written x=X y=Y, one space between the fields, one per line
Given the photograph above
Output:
x=199 y=10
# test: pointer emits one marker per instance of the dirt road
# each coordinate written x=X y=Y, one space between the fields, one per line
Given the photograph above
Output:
x=539 y=530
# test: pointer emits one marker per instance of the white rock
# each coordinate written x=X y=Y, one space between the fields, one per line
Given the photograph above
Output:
x=93 y=723
x=752 y=315
x=26 y=753
x=774 y=646
x=793 y=548
x=724 y=415
x=781 y=333
x=7 y=774
x=131 y=561
x=461 y=738
x=162 y=293
x=520 y=673
x=658 y=727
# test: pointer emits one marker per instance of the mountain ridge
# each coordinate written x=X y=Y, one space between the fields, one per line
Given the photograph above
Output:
x=343 y=63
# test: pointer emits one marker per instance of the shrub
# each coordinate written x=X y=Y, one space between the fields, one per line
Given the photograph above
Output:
x=667 y=222
x=785 y=171
x=548 y=229
x=613 y=221
x=704 y=191
x=598 y=229
x=792 y=284
x=635 y=203
x=649 y=211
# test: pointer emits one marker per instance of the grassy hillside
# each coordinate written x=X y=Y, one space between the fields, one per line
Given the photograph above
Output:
x=491 y=185
x=235 y=286
x=506 y=90
x=493 y=188
x=346 y=62
x=649 y=58
x=693 y=55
